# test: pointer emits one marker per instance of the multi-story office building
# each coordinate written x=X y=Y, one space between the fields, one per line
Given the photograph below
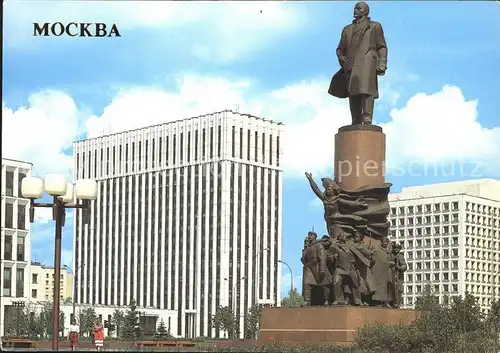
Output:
x=188 y=218
x=42 y=282
x=15 y=238
x=451 y=238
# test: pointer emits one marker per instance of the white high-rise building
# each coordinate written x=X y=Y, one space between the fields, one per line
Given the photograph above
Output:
x=188 y=218
x=15 y=246
x=450 y=234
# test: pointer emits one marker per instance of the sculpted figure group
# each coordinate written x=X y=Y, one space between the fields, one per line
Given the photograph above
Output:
x=346 y=271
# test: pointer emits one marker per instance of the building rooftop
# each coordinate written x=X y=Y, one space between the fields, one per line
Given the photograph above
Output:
x=483 y=188
x=183 y=119
x=15 y=160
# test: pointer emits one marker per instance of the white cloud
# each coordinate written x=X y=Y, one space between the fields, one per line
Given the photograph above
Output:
x=441 y=126
x=142 y=107
x=225 y=31
x=40 y=131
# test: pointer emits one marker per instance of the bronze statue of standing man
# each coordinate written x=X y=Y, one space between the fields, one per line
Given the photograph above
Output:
x=362 y=55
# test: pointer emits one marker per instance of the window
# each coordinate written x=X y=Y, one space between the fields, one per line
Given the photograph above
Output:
x=21 y=217
x=20 y=282
x=9 y=213
x=9 y=183
x=33 y=293
x=20 y=249
x=7 y=282
x=8 y=247
x=34 y=278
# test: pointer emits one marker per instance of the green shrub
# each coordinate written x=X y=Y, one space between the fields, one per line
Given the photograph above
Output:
x=458 y=327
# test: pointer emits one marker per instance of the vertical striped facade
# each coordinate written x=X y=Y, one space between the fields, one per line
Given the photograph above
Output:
x=188 y=218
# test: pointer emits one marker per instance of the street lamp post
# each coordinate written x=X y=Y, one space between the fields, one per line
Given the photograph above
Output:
x=291 y=273
x=63 y=193
x=233 y=302
x=75 y=275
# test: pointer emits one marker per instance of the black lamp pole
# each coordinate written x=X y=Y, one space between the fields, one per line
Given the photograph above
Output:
x=58 y=215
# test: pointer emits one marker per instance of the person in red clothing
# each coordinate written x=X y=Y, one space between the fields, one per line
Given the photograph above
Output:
x=74 y=332
x=98 y=334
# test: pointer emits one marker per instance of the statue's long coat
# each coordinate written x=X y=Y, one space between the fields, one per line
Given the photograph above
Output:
x=314 y=260
x=400 y=269
x=364 y=46
x=381 y=274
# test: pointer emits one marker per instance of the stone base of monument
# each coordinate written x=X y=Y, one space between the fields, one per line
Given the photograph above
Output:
x=325 y=325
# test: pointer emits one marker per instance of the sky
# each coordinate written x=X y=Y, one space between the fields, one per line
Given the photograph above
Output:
x=439 y=101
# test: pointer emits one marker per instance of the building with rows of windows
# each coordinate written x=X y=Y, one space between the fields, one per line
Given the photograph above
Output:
x=15 y=238
x=450 y=234
x=188 y=218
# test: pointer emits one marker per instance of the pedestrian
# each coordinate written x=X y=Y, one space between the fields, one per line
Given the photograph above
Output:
x=98 y=334
x=74 y=332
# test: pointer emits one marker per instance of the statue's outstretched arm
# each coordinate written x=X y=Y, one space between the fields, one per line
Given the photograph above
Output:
x=314 y=187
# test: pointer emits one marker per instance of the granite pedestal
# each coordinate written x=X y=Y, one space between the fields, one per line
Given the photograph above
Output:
x=360 y=159
x=332 y=325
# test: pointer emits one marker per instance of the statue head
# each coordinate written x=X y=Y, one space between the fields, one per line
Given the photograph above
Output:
x=312 y=236
x=331 y=187
x=361 y=9
x=384 y=242
x=396 y=248
x=325 y=239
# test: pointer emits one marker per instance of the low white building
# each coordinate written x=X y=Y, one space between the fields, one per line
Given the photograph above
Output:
x=150 y=317
x=450 y=234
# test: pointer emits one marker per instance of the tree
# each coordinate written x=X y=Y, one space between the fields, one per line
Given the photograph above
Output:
x=87 y=319
x=467 y=313
x=67 y=301
x=493 y=318
x=224 y=320
x=19 y=326
x=252 y=321
x=35 y=326
x=131 y=327
x=45 y=318
x=62 y=317
x=41 y=324
x=293 y=300
x=162 y=331
x=117 y=319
